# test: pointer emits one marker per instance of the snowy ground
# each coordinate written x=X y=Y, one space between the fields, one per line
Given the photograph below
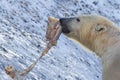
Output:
x=22 y=38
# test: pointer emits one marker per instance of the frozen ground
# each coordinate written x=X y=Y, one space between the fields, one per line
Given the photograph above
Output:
x=22 y=38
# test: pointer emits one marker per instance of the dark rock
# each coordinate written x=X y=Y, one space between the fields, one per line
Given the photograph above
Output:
x=95 y=2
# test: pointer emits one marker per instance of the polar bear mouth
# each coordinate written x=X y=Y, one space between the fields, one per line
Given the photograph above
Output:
x=65 y=30
x=64 y=22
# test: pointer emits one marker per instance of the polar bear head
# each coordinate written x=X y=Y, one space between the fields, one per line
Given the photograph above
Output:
x=95 y=32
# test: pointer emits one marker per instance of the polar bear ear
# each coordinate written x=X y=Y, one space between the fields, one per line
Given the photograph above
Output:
x=100 y=28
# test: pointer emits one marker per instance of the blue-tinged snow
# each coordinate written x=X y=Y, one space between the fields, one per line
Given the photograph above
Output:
x=22 y=38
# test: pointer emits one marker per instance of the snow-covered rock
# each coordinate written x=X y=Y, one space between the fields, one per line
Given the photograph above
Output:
x=22 y=38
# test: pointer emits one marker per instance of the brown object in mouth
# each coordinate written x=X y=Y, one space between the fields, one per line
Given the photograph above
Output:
x=53 y=30
x=52 y=34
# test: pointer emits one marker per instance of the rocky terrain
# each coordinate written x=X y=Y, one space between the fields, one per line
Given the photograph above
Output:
x=22 y=38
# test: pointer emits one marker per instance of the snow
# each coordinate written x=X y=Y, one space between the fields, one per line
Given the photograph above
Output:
x=22 y=38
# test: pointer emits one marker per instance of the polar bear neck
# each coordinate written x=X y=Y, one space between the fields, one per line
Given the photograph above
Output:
x=103 y=48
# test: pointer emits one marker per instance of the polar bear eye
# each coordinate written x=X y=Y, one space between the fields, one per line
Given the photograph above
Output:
x=78 y=20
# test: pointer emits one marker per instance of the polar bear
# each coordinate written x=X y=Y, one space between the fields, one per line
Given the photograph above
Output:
x=100 y=35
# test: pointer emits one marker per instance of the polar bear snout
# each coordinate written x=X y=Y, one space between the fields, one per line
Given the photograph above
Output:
x=65 y=23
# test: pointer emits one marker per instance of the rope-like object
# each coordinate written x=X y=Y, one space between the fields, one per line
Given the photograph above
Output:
x=53 y=31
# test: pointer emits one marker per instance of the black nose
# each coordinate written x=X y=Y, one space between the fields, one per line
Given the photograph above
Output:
x=64 y=21
x=65 y=25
